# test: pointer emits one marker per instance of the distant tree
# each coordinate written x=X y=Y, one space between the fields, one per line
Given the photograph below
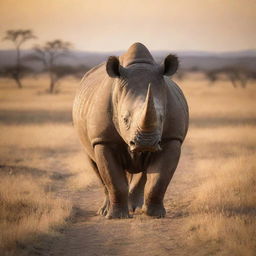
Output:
x=252 y=75
x=61 y=71
x=237 y=76
x=18 y=37
x=212 y=75
x=194 y=69
x=48 y=54
x=245 y=75
x=11 y=72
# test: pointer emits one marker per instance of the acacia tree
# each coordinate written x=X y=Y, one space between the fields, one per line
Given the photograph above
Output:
x=237 y=76
x=18 y=37
x=212 y=75
x=48 y=54
x=11 y=72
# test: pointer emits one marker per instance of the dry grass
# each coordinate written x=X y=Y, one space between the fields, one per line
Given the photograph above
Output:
x=223 y=209
x=27 y=209
x=219 y=100
x=36 y=132
x=228 y=186
x=34 y=96
x=83 y=175
x=215 y=234
x=42 y=156
x=41 y=136
x=222 y=214
x=52 y=147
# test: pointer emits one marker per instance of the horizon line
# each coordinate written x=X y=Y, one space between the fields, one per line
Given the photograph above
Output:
x=164 y=50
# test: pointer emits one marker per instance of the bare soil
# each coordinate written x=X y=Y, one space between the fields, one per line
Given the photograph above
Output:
x=89 y=234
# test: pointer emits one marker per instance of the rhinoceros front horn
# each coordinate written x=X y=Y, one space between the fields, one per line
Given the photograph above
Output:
x=148 y=119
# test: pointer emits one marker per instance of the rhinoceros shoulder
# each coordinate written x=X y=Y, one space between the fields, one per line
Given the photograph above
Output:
x=177 y=110
x=177 y=92
x=94 y=71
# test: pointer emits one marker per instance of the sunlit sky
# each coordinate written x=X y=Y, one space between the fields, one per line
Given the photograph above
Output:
x=98 y=25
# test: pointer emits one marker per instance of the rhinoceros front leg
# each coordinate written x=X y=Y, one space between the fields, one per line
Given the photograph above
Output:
x=159 y=173
x=115 y=180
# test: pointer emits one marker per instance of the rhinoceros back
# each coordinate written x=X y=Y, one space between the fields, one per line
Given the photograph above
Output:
x=87 y=88
x=84 y=99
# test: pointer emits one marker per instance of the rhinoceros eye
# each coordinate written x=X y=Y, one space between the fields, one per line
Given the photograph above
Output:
x=126 y=120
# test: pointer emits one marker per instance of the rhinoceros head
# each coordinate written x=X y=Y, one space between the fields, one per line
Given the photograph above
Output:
x=139 y=97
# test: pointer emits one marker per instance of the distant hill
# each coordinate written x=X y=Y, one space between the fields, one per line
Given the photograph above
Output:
x=188 y=59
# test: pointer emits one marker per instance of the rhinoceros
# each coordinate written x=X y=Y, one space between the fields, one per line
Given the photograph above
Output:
x=132 y=120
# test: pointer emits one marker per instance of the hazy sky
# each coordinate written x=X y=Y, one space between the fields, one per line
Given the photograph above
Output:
x=98 y=25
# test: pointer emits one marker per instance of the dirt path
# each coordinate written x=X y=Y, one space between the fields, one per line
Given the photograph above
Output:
x=94 y=235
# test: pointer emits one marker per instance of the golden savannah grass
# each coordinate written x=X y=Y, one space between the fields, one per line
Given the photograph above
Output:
x=33 y=154
x=222 y=212
x=37 y=134
x=27 y=209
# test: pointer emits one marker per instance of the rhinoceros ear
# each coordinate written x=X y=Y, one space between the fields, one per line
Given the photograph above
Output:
x=113 y=66
x=170 y=65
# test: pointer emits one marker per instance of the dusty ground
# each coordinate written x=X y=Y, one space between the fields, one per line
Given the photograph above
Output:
x=36 y=132
x=94 y=235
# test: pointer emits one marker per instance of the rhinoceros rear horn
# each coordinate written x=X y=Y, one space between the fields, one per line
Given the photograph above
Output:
x=113 y=66
x=170 y=65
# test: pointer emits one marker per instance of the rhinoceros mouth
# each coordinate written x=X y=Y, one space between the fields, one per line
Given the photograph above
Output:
x=145 y=142
x=137 y=149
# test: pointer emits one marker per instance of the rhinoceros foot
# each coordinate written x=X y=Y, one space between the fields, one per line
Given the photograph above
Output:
x=118 y=213
x=157 y=211
x=135 y=203
x=103 y=210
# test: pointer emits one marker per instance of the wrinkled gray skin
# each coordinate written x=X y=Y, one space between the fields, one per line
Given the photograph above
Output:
x=132 y=120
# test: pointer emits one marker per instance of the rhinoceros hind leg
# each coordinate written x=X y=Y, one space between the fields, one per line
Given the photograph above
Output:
x=136 y=191
x=103 y=210
x=118 y=213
